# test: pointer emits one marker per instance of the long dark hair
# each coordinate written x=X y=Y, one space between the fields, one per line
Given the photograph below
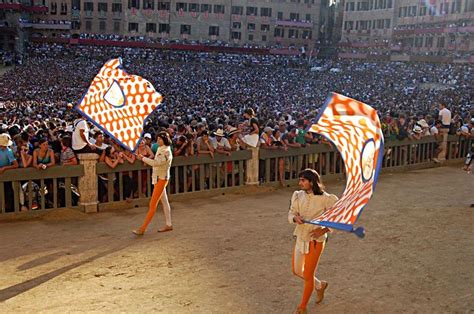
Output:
x=165 y=137
x=313 y=176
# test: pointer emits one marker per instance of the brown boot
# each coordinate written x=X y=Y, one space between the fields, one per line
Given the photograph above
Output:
x=320 y=292
x=165 y=228
x=138 y=232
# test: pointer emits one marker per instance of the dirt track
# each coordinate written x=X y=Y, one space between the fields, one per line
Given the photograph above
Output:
x=233 y=254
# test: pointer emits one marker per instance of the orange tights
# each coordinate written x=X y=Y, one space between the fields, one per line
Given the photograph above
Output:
x=155 y=198
x=304 y=266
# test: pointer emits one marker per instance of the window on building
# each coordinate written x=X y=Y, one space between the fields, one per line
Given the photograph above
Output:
x=237 y=10
x=54 y=8
x=432 y=11
x=264 y=37
x=236 y=25
x=429 y=42
x=308 y=17
x=469 y=6
x=185 y=29
x=422 y=11
x=116 y=7
x=236 y=35
x=213 y=30
x=88 y=25
x=116 y=27
x=163 y=28
x=193 y=7
x=363 y=6
x=76 y=25
x=351 y=6
x=102 y=26
x=388 y=23
x=266 y=12
x=181 y=6
x=133 y=27
x=163 y=6
x=250 y=37
x=419 y=42
x=293 y=33
x=219 y=9
x=265 y=27
x=134 y=4
x=349 y=25
x=151 y=27
x=205 y=7
x=251 y=11
x=440 y=43
x=251 y=26
x=294 y=16
x=102 y=7
x=148 y=4
x=280 y=16
x=307 y=34
x=88 y=6
x=279 y=32
x=63 y=8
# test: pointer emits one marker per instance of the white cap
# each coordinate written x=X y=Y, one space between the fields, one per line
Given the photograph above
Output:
x=147 y=135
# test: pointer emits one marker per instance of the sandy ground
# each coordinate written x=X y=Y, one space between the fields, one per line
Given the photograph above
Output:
x=232 y=253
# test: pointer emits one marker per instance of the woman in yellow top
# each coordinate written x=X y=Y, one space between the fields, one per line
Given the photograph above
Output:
x=307 y=204
x=160 y=176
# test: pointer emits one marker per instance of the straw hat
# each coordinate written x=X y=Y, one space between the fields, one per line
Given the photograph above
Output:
x=5 y=140
x=219 y=132
x=233 y=131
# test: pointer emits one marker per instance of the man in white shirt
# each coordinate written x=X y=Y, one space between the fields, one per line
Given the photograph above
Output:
x=220 y=143
x=80 y=137
x=445 y=117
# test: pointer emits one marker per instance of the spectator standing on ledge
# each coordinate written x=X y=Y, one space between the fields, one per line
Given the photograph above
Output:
x=445 y=117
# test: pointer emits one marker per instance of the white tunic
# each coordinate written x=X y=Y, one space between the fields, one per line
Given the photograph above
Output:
x=309 y=206
x=161 y=164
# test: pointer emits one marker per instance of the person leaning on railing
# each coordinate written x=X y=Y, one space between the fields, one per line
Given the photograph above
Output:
x=112 y=159
x=7 y=162
x=271 y=139
x=25 y=159
x=43 y=157
x=67 y=157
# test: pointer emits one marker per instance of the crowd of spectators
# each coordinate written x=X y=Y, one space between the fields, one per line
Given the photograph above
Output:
x=212 y=100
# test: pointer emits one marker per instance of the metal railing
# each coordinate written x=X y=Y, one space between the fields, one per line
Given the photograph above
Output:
x=31 y=189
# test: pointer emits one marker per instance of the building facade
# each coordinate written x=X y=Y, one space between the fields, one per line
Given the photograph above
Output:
x=21 y=20
x=289 y=22
x=436 y=27
x=433 y=27
x=368 y=21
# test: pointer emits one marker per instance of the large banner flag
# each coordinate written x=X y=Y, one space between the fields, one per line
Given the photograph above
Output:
x=354 y=128
x=119 y=103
